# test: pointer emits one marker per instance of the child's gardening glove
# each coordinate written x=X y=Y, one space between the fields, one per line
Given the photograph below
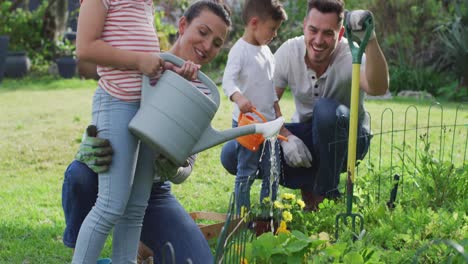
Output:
x=296 y=153
x=165 y=170
x=355 y=19
x=95 y=152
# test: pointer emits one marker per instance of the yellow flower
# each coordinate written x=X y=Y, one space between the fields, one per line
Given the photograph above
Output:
x=287 y=216
x=244 y=261
x=278 y=205
x=288 y=196
x=282 y=229
x=300 y=203
x=287 y=206
x=266 y=200
x=243 y=211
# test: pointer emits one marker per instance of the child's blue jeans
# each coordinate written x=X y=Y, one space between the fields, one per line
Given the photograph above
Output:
x=249 y=166
x=123 y=190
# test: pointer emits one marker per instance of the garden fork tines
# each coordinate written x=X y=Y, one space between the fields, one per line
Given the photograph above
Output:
x=349 y=213
x=357 y=53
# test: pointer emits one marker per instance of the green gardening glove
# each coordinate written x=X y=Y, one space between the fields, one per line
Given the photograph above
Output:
x=166 y=170
x=95 y=152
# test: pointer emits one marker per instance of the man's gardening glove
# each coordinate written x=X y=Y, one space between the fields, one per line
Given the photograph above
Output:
x=165 y=170
x=95 y=152
x=355 y=19
x=296 y=153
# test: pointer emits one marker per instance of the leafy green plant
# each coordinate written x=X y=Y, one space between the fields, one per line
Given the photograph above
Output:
x=165 y=30
x=400 y=27
x=452 y=91
x=65 y=48
x=406 y=77
x=453 y=37
x=25 y=30
x=291 y=248
x=438 y=182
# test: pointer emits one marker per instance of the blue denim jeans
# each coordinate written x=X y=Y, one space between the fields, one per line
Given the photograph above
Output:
x=249 y=166
x=326 y=136
x=165 y=219
x=123 y=191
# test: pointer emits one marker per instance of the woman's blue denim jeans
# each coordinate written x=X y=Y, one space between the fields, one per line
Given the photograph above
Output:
x=165 y=219
x=249 y=166
x=123 y=190
x=326 y=136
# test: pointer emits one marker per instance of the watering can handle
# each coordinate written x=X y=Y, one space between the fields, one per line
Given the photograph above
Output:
x=281 y=137
x=357 y=51
x=201 y=76
x=256 y=112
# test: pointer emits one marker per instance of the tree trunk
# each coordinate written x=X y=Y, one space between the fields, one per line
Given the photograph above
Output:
x=55 y=20
x=463 y=84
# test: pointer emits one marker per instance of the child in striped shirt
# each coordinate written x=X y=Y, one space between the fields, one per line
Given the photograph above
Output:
x=120 y=37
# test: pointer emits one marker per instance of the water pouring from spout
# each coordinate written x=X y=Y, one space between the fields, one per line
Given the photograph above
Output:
x=270 y=129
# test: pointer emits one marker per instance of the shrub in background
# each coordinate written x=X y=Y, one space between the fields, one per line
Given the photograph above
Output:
x=453 y=48
x=406 y=77
x=24 y=28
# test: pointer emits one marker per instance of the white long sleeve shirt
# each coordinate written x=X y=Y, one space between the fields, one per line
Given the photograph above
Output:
x=249 y=70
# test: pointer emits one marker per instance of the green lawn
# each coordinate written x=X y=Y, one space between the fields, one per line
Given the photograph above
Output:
x=41 y=123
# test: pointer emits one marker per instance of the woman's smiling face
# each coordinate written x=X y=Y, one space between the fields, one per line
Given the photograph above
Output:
x=201 y=39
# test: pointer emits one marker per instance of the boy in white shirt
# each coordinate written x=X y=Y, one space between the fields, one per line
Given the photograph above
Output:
x=248 y=82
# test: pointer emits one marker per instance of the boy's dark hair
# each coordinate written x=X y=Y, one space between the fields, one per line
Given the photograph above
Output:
x=264 y=9
x=218 y=7
x=327 y=6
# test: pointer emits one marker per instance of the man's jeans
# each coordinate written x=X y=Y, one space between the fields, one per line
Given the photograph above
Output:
x=326 y=136
x=165 y=219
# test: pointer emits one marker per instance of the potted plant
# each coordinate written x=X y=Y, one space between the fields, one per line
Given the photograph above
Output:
x=264 y=217
x=277 y=216
x=66 y=61
x=17 y=64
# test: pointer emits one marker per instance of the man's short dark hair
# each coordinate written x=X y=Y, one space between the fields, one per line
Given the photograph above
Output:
x=327 y=6
x=265 y=9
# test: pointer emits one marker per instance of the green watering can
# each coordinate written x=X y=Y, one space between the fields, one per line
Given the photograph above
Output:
x=174 y=118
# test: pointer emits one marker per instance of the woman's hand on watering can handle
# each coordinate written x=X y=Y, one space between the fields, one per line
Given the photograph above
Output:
x=149 y=65
x=189 y=69
x=165 y=170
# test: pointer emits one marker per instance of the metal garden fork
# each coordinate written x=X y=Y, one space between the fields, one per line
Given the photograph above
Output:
x=357 y=52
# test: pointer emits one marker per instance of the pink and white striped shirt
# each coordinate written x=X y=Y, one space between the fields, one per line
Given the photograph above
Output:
x=129 y=25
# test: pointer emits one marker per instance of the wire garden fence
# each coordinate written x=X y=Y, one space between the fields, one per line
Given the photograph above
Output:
x=410 y=148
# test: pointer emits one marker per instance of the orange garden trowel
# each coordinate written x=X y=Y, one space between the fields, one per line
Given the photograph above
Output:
x=357 y=52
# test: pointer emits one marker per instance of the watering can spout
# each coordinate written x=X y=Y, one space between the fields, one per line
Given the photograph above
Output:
x=212 y=137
